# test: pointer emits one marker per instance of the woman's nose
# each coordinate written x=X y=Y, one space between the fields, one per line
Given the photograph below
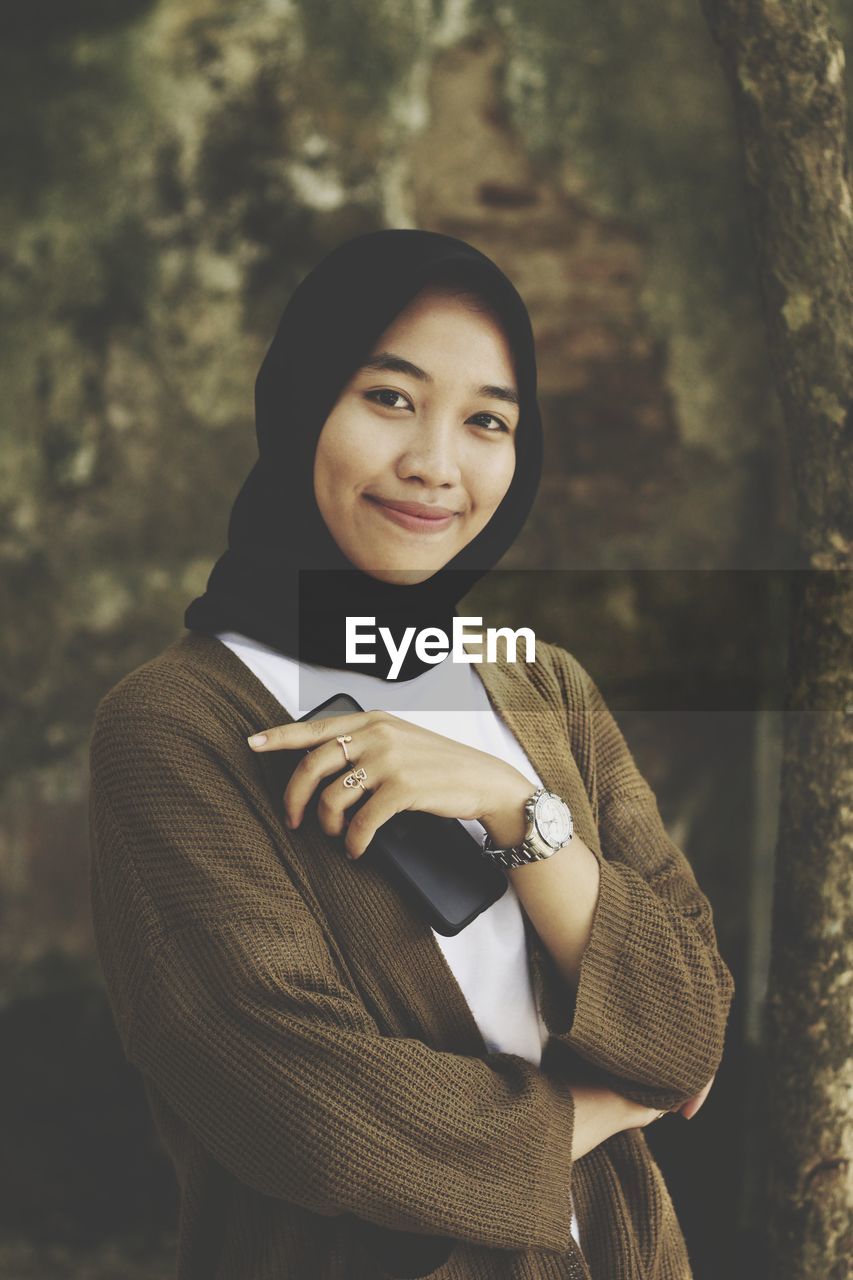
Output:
x=431 y=455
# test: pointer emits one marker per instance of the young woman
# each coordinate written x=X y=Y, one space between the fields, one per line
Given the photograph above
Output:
x=346 y=1092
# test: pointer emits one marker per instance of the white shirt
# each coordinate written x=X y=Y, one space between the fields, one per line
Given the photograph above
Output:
x=489 y=957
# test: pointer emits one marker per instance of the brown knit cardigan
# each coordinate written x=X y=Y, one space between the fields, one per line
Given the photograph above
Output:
x=309 y=1059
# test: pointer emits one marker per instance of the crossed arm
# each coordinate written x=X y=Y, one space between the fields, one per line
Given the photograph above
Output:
x=645 y=991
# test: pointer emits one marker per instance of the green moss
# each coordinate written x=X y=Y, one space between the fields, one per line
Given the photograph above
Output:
x=240 y=171
x=359 y=51
x=61 y=103
x=628 y=111
x=126 y=263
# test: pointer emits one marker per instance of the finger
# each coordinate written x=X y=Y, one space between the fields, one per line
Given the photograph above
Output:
x=387 y=800
x=692 y=1105
x=310 y=733
x=336 y=800
x=323 y=762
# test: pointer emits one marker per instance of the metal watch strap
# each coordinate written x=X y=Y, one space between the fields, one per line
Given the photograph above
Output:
x=511 y=857
x=523 y=854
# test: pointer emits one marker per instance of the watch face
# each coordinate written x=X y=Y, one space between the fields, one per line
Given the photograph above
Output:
x=553 y=820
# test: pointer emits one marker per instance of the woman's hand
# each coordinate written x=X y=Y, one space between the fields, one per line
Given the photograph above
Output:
x=405 y=766
x=600 y=1113
x=689 y=1108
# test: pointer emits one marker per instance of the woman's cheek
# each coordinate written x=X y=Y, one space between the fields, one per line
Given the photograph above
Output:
x=494 y=481
x=341 y=450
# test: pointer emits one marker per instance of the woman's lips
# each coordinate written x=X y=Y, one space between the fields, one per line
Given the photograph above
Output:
x=418 y=524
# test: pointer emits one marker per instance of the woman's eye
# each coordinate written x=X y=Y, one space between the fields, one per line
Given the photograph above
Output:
x=390 y=399
x=386 y=391
x=499 y=425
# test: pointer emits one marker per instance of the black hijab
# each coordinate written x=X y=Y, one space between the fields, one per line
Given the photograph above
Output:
x=283 y=580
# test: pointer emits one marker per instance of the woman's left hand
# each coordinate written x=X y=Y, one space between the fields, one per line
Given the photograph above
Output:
x=406 y=767
x=689 y=1108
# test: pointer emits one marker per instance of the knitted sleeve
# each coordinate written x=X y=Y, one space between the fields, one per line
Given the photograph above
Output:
x=229 y=999
x=653 y=993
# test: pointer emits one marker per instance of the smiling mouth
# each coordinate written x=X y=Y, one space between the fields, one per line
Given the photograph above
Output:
x=407 y=520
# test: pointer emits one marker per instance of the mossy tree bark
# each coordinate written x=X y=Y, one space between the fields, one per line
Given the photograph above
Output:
x=785 y=65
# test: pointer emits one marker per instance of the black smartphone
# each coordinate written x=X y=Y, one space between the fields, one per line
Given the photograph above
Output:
x=434 y=860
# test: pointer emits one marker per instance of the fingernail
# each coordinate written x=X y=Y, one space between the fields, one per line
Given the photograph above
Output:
x=257 y=740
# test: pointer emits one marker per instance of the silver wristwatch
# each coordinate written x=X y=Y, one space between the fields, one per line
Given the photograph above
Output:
x=549 y=828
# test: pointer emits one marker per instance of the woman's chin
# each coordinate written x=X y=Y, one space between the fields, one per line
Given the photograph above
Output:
x=402 y=577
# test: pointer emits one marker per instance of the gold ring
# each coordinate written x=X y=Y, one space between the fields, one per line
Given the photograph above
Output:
x=343 y=741
x=355 y=779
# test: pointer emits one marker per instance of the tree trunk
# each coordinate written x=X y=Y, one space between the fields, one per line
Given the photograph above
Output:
x=785 y=65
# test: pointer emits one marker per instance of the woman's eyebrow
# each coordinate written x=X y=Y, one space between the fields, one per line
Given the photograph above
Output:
x=387 y=362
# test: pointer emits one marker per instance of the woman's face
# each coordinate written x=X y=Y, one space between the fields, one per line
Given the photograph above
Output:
x=428 y=421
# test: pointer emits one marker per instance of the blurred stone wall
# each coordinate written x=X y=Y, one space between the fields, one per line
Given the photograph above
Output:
x=173 y=169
